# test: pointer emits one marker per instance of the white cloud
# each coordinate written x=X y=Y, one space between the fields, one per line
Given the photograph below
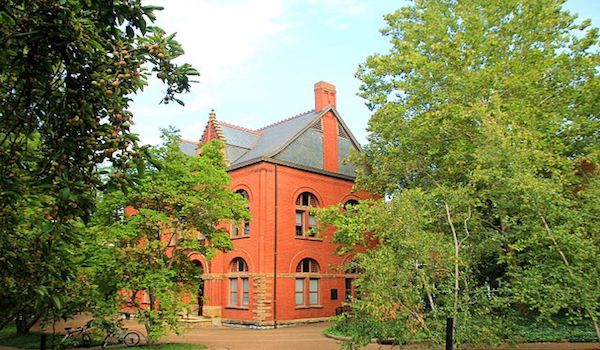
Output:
x=219 y=37
x=235 y=44
x=346 y=7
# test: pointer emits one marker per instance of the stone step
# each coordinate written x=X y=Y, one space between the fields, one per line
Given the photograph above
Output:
x=199 y=321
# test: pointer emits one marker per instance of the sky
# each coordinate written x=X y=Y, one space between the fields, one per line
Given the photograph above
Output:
x=259 y=60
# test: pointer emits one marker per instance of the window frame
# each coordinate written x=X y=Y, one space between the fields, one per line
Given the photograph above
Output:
x=239 y=297
x=241 y=229
x=304 y=228
x=307 y=287
x=299 y=299
x=350 y=203
x=234 y=294
x=352 y=273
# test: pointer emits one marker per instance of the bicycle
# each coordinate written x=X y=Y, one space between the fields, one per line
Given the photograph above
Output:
x=78 y=332
x=123 y=336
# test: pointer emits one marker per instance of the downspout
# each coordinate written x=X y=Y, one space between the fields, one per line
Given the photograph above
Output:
x=275 y=254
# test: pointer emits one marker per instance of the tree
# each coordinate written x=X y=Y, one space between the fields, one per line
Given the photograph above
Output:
x=484 y=140
x=146 y=235
x=35 y=276
x=68 y=69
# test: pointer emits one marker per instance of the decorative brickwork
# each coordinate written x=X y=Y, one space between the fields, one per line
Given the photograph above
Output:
x=262 y=299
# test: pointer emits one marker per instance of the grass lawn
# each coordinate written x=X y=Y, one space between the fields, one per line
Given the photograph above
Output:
x=9 y=337
x=528 y=331
x=532 y=332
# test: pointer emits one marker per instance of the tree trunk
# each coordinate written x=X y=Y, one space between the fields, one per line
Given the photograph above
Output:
x=22 y=324
x=148 y=324
x=456 y=274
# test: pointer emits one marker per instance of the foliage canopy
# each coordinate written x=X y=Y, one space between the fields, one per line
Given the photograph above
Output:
x=145 y=236
x=484 y=140
x=67 y=71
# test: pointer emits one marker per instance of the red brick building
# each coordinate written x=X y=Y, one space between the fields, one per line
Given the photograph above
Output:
x=280 y=270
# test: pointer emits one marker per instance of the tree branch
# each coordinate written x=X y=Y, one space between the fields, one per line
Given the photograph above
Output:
x=467 y=234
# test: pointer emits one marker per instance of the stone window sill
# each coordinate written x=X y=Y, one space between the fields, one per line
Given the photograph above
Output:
x=302 y=307
x=237 y=307
x=240 y=237
x=307 y=238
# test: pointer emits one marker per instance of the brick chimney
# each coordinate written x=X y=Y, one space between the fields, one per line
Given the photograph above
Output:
x=324 y=95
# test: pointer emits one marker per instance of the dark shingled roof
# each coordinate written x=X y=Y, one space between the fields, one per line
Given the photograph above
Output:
x=238 y=136
x=188 y=147
x=285 y=140
x=275 y=136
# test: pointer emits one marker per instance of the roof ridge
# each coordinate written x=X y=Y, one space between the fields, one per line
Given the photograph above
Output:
x=217 y=125
x=212 y=120
x=239 y=127
x=286 y=119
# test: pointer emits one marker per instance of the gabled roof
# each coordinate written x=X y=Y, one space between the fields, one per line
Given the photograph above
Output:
x=275 y=136
x=238 y=136
x=245 y=146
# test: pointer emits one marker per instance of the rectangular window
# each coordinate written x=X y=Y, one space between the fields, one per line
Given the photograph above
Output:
x=299 y=222
x=235 y=230
x=299 y=291
x=348 y=288
x=312 y=223
x=313 y=291
x=245 y=291
x=246 y=228
x=233 y=291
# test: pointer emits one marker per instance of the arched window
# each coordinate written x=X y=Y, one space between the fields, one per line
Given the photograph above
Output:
x=307 y=283
x=243 y=228
x=308 y=265
x=306 y=222
x=239 y=284
x=350 y=203
x=199 y=266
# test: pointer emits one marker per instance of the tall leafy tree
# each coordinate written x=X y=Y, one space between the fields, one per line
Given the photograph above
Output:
x=145 y=235
x=485 y=140
x=67 y=71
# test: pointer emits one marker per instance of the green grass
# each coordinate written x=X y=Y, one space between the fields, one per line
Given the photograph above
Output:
x=526 y=331
x=9 y=337
x=530 y=331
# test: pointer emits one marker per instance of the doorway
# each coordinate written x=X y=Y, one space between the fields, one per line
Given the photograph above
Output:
x=200 y=293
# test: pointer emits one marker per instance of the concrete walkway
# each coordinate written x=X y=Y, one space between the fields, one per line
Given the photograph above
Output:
x=301 y=337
